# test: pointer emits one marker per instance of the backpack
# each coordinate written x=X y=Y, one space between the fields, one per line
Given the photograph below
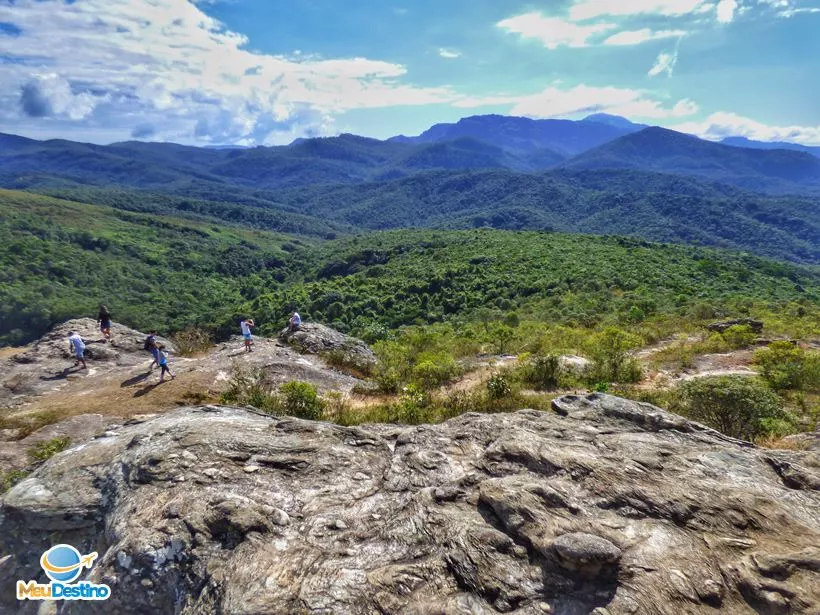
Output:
x=148 y=341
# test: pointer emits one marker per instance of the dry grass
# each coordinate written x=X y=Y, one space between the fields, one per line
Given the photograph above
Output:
x=9 y=351
x=784 y=444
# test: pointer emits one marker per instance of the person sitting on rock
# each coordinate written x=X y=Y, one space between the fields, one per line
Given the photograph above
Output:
x=104 y=320
x=246 y=324
x=76 y=346
x=295 y=322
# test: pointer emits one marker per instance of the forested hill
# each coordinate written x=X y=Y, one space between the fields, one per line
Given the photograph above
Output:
x=602 y=175
x=61 y=259
x=653 y=206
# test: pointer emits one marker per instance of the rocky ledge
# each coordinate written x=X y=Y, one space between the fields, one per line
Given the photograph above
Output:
x=604 y=506
x=314 y=338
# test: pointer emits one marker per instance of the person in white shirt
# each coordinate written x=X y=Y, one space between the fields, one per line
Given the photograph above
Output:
x=295 y=322
x=76 y=346
x=246 y=324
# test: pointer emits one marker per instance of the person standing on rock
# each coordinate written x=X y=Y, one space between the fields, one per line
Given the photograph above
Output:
x=163 y=363
x=76 y=346
x=246 y=324
x=104 y=320
x=295 y=322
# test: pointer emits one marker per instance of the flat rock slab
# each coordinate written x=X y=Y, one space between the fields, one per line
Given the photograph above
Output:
x=606 y=506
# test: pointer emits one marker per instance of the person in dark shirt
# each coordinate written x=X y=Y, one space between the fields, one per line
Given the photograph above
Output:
x=104 y=320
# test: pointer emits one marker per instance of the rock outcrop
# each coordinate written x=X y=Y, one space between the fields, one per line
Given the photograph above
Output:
x=313 y=338
x=604 y=506
x=721 y=327
x=48 y=360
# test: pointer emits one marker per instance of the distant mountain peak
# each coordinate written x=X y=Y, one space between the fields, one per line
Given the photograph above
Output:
x=613 y=120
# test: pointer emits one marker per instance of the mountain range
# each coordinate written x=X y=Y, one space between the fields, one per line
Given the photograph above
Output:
x=601 y=175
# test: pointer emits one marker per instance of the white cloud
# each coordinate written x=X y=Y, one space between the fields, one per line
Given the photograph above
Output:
x=664 y=64
x=449 y=54
x=635 y=37
x=591 y=9
x=582 y=100
x=553 y=32
x=725 y=10
x=720 y=125
x=167 y=64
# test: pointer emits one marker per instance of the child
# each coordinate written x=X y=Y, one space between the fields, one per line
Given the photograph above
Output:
x=104 y=319
x=163 y=363
x=246 y=324
x=76 y=345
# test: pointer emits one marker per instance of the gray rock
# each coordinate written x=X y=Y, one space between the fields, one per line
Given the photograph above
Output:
x=721 y=327
x=47 y=362
x=580 y=549
x=314 y=338
x=543 y=507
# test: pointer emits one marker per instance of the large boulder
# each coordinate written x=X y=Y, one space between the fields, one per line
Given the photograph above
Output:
x=314 y=338
x=605 y=504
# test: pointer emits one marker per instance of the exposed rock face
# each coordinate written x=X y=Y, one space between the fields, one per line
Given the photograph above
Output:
x=604 y=504
x=313 y=338
x=721 y=327
x=48 y=360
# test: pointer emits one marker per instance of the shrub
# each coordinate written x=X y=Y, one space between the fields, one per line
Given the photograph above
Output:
x=42 y=451
x=610 y=352
x=300 y=399
x=413 y=408
x=498 y=387
x=192 y=341
x=543 y=372
x=786 y=366
x=738 y=406
x=739 y=336
x=432 y=370
x=248 y=387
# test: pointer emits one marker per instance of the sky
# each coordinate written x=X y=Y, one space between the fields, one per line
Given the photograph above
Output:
x=264 y=72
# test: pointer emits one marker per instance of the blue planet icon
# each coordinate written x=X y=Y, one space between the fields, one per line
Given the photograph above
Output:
x=62 y=563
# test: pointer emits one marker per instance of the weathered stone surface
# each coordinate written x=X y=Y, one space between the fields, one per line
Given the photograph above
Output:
x=314 y=338
x=47 y=364
x=720 y=327
x=609 y=507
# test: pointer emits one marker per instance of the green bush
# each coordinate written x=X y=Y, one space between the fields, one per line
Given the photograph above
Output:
x=41 y=451
x=301 y=399
x=739 y=336
x=434 y=369
x=787 y=366
x=739 y=406
x=499 y=387
x=543 y=372
x=609 y=351
x=249 y=387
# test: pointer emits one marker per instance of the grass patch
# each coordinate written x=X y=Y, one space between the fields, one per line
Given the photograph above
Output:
x=29 y=423
x=45 y=450
x=11 y=478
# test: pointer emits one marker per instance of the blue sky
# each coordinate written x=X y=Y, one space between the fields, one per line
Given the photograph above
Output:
x=268 y=71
